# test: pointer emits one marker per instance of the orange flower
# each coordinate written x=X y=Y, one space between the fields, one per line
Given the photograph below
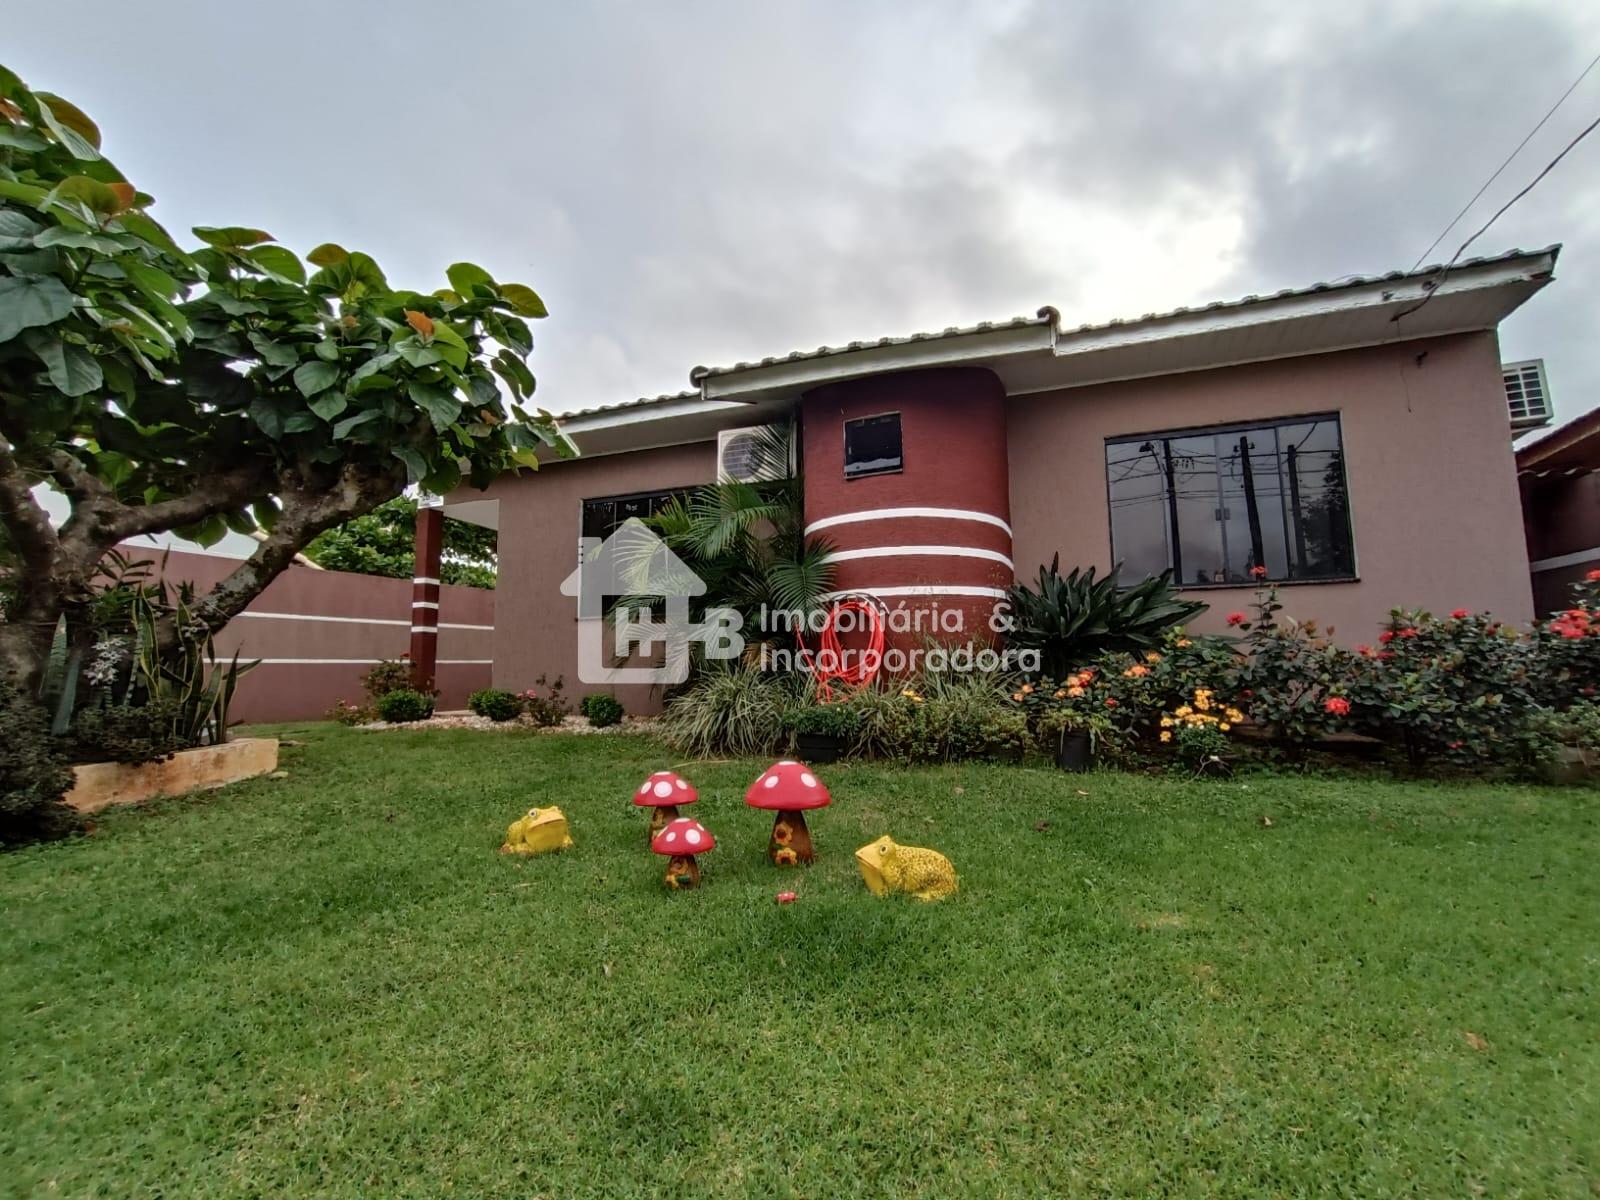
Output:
x=1137 y=671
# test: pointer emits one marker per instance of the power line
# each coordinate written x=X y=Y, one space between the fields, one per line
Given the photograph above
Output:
x=1487 y=182
x=1501 y=211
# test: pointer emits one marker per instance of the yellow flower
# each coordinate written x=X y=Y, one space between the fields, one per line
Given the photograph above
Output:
x=1136 y=671
x=1060 y=693
x=1166 y=735
x=1017 y=696
x=781 y=834
x=1184 y=643
x=1075 y=690
x=1151 y=656
x=785 y=857
x=1224 y=726
x=1183 y=710
x=1026 y=688
x=1166 y=722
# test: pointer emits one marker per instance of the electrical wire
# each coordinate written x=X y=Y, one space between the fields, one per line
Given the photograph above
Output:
x=1500 y=212
x=1497 y=171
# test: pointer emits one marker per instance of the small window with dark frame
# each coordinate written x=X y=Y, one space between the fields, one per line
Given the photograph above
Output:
x=872 y=446
x=1213 y=504
x=604 y=515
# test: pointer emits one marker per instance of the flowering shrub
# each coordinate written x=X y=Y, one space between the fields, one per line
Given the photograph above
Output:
x=1567 y=648
x=346 y=713
x=1289 y=671
x=544 y=703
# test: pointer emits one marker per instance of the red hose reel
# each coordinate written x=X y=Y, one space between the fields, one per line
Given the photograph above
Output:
x=829 y=664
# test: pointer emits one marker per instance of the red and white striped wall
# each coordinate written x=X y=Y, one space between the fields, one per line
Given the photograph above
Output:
x=935 y=535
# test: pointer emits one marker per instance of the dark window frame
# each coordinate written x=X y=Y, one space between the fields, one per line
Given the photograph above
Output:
x=899 y=463
x=1226 y=427
x=683 y=492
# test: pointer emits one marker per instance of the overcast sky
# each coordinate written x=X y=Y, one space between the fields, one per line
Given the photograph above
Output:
x=703 y=182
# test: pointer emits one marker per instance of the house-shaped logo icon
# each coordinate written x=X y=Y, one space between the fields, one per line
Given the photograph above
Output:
x=654 y=587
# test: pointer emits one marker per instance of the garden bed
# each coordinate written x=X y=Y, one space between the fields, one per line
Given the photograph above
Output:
x=462 y=719
x=100 y=785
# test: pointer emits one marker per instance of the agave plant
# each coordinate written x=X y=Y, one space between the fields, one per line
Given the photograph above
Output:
x=187 y=677
x=1071 y=618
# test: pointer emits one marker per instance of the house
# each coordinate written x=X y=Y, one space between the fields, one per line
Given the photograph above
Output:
x=1351 y=438
x=1561 y=508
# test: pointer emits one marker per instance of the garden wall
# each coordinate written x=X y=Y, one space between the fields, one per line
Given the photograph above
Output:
x=317 y=632
x=1432 y=482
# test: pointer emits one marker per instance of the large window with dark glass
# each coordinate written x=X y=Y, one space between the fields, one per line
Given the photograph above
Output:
x=872 y=446
x=604 y=516
x=1215 y=503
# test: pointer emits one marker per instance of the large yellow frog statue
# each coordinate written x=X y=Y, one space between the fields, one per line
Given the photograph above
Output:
x=890 y=867
x=543 y=829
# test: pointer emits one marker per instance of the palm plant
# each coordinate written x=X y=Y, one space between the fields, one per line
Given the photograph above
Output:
x=747 y=543
x=1073 y=617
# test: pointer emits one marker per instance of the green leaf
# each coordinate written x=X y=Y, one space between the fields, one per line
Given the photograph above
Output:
x=26 y=193
x=343 y=428
x=329 y=405
x=231 y=237
x=451 y=345
x=514 y=371
x=415 y=353
x=464 y=276
x=416 y=465
x=524 y=300
x=72 y=369
x=274 y=354
x=27 y=301
x=17 y=229
x=150 y=230
x=99 y=198
x=73 y=129
x=278 y=262
x=327 y=254
x=315 y=376
x=240 y=521
x=442 y=407
x=327 y=350
x=300 y=422
x=21 y=139
x=265 y=512
x=73 y=239
x=267 y=416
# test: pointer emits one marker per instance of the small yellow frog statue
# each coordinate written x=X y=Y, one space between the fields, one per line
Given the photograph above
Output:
x=889 y=867
x=543 y=829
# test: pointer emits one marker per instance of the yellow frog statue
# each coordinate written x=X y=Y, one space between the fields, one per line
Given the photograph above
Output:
x=542 y=829
x=890 y=867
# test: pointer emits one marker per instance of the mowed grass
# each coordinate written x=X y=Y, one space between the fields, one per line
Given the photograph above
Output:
x=332 y=985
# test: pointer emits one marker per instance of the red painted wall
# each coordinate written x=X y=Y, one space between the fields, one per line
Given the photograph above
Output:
x=319 y=631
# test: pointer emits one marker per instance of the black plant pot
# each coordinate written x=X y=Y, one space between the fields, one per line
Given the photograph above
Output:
x=818 y=747
x=1074 y=752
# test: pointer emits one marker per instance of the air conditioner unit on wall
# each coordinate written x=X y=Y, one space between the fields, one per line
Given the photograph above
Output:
x=753 y=454
x=1527 y=393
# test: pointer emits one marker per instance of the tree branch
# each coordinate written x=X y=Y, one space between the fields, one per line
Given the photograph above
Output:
x=27 y=524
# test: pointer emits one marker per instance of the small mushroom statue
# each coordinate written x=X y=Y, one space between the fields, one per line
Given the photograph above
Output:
x=681 y=840
x=663 y=792
x=789 y=789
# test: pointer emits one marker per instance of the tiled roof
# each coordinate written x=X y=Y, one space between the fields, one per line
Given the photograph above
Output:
x=1050 y=315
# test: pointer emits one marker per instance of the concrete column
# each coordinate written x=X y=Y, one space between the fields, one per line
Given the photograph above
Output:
x=425 y=598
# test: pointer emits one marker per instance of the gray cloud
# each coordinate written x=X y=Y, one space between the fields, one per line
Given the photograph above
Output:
x=697 y=183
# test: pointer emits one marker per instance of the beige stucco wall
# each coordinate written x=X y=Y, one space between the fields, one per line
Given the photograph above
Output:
x=540 y=522
x=1433 y=491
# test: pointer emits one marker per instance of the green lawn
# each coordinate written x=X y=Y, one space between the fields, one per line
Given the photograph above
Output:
x=332 y=985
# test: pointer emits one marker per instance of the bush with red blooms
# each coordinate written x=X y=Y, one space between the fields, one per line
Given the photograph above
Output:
x=1289 y=674
x=1456 y=689
x=1566 y=648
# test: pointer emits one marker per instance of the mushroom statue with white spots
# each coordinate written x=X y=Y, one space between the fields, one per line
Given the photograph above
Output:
x=663 y=792
x=789 y=789
x=681 y=840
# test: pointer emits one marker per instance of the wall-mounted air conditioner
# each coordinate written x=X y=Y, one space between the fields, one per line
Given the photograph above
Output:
x=754 y=453
x=1527 y=393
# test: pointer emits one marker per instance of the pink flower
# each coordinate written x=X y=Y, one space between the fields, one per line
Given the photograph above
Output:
x=1111 y=701
x=1364 y=651
x=1461 y=614
x=1258 y=572
x=1386 y=636
x=1236 y=618
x=1593 y=576
x=1408 y=633
x=1338 y=706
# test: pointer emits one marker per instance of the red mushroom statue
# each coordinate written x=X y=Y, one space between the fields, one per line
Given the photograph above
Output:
x=663 y=792
x=681 y=840
x=789 y=789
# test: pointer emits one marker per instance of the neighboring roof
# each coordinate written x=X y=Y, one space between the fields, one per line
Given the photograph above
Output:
x=1572 y=447
x=1034 y=354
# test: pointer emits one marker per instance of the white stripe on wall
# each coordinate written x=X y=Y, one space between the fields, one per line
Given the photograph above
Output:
x=890 y=514
x=277 y=616
x=931 y=589
x=1576 y=558
x=434 y=604
x=922 y=552
x=425 y=579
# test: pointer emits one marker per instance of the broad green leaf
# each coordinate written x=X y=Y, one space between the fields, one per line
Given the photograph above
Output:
x=99 y=197
x=231 y=237
x=277 y=262
x=445 y=478
x=463 y=276
x=28 y=301
x=273 y=353
x=442 y=407
x=17 y=229
x=113 y=469
x=240 y=521
x=375 y=364
x=74 y=239
x=416 y=465
x=73 y=129
x=72 y=369
x=327 y=350
x=150 y=230
x=265 y=512
x=524 y=300
x=514 y=371
x=327 y=254
x=267 y=417
x=450 y=344
x=415 y=353
x=300 y=422
x=329 y=405
x=343 y=428
x=26 y=193
x=315 y=376
x=21 y=139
